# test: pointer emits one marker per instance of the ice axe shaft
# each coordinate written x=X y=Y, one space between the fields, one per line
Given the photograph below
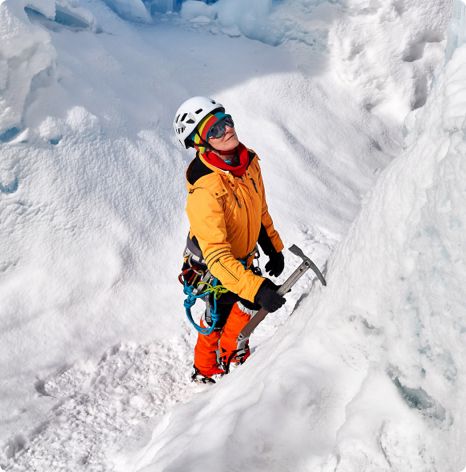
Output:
x=290 y=281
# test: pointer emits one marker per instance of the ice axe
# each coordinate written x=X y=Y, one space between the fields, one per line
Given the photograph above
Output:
x=290 y=281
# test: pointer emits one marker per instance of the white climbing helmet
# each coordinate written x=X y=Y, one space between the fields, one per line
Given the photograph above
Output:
x=190 y=114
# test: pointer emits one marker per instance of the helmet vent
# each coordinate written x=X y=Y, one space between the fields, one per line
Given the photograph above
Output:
x=198 y=111
x=190 y=121
x=184 y=116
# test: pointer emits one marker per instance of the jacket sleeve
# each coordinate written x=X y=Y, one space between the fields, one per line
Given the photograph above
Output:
x=266 y=220
x=207 y=221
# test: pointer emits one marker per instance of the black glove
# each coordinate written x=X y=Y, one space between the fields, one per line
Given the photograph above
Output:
x=267 y=296
x=276 y=264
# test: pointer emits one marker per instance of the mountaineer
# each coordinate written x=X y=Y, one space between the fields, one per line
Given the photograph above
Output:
x=228 y=216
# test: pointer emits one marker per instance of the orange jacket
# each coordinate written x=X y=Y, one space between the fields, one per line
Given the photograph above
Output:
x=225 y=214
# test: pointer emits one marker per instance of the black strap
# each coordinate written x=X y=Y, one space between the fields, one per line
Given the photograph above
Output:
x=194 y=252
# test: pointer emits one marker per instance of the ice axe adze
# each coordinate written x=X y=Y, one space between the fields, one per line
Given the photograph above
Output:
x=292 y=279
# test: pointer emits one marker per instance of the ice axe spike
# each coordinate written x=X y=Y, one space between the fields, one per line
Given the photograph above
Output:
x=290 y=281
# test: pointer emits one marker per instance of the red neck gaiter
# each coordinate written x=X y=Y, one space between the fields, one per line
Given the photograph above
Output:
x=242 y=154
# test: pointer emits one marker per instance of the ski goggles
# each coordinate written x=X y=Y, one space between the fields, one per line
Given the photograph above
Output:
x=217 y=130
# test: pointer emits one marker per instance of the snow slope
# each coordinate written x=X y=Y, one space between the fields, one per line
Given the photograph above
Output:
x=92 y=197
x=368 y=374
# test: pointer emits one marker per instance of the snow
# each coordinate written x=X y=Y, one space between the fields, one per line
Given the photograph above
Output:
x=393 y=76
x=369 y=372
x=365 y=374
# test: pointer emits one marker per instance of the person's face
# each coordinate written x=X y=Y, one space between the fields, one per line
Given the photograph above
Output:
x=228 y=142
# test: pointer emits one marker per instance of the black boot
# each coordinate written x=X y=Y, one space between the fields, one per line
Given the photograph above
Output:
x=200 y=378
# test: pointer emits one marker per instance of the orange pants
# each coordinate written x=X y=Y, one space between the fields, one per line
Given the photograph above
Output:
x=211 y=349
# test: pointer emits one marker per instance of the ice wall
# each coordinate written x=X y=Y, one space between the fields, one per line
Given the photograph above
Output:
x=27 y=56
x=457 y=31
x=272 y=22
x=142 y=10
x=132 y=10
x=26 y=53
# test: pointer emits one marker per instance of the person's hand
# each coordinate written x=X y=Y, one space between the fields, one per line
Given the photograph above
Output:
x=268 y=298
x=276 y=264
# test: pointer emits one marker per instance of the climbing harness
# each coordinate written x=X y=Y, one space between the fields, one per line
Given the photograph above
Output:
x=198 y=282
